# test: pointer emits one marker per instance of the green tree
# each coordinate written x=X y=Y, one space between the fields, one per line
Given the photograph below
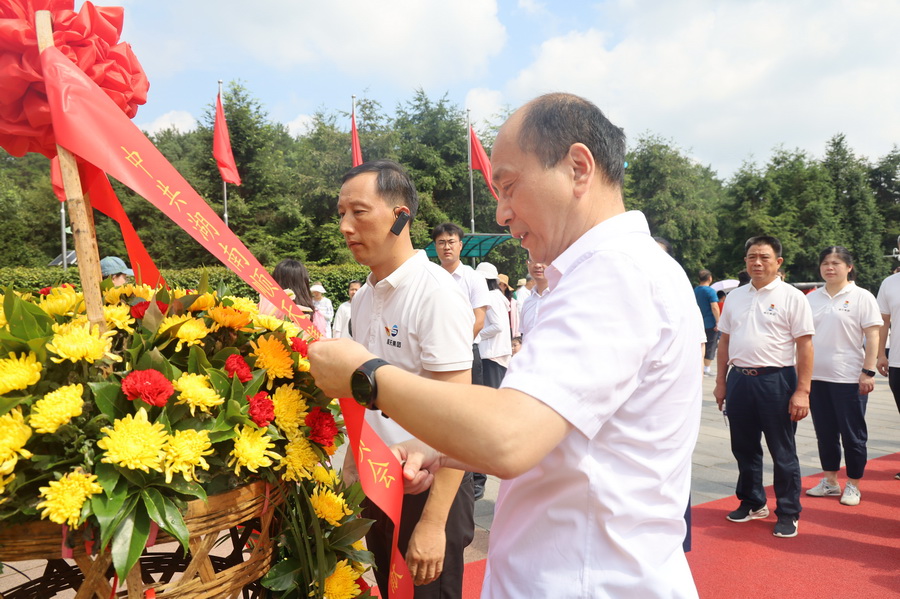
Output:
x=884 y=180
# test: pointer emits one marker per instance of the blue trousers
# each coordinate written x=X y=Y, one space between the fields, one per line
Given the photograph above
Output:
x=757 y=406
x=839 y=417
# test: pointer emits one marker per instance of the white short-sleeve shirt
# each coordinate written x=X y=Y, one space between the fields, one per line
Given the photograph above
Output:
x=473 y=286
x=763 y=324
x=341 y=326
x=889 y=304
x=417 y=319
x=530 y=310
x=839 y=340
x=616 y=353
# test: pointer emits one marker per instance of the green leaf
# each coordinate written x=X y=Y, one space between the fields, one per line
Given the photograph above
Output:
x=153 y=316
x=253 y=387
x=26 y=320
x=166 y=514
x=108 y=478
x=350 y=532
x=233 y=413
x=220 y=382
x=218 y=360
x=284 y=575
x=197 y=362
x=129 y=540
x=110 y=511
x=203 y=287
x=179 y=485
x=109 y=399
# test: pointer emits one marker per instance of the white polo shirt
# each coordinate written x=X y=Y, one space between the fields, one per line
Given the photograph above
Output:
x=418 y=320
x=763 y=324
x=496 y=336
x=839 y=340
x=530 y=309
x=474 y=287
x=341 y=325
x=617 y=354
x=889 y=304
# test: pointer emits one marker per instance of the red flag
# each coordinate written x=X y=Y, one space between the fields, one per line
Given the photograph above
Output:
x=355 y=149
x=87 y=123
x=480 y=162
x=222 y=147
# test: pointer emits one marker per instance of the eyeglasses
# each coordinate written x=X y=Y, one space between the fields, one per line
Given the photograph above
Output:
x=446 y=243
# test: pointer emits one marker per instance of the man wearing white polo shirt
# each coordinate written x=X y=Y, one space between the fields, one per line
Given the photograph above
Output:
x=763 y=392
x=531 y=307
x=412 y=314
x=593 y=427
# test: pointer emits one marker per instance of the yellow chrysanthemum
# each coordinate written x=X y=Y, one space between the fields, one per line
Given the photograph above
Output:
x=299 y=459
x=81 y=342
x=119 y=317
x=3 y=321
x=325 y=476
x=274 y=357
x=302 y=363
x=62 y=301
x=231 y=318
x=204 y=301
x=14 y=433
x=197 y=392
x=115 y=294
x=273 y=323
x=290 y=410
x=56 y=409
x=341 y=584
x=184 y=452
x=134 y=443
x=242 y=303
x=17 y=373
x=329 y=506
x=252 y=449
x=64 y=498
x=191 y=332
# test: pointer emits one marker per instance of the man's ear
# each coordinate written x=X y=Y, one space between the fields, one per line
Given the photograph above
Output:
x=583 y=167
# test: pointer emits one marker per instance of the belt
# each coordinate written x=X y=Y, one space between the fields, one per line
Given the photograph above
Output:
x=758 y=371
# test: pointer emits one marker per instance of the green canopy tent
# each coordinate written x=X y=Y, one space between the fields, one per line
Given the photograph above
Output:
x=475 y=245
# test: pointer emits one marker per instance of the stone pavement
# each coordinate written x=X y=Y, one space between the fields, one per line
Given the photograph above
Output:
x=714 y=474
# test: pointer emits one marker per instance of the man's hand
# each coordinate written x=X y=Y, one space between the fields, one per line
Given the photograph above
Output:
x=882 y=365
x=420 y=462
x=332 y=362
x=425 y=554
x=799 y=406
x=866 y=383
x=719 y=394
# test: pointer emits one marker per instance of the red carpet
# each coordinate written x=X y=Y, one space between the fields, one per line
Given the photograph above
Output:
x=840 y=551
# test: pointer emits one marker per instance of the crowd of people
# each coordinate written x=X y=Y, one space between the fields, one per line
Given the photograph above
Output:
x=592 y=425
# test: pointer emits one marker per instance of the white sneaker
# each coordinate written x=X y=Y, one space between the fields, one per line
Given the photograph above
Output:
x=851 y=495
x=824 y=489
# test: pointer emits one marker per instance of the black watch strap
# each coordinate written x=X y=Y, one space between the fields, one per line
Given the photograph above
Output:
x=868 y=372
x=362 y=382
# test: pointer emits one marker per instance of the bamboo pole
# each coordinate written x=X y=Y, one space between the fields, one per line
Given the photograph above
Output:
x=79 y=207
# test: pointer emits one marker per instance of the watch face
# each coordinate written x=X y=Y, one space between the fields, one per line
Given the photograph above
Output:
x=361 y=386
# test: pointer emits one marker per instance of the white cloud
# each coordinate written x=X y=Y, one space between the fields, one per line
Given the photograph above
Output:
x=179 y=119
x=727 y=80
x=486 y=105
x=300 y=125
x=531 y=7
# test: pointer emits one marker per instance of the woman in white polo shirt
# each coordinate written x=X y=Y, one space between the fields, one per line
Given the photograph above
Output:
x=847 y=320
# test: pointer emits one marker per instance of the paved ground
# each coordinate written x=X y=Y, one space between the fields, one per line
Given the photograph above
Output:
x=714 y=469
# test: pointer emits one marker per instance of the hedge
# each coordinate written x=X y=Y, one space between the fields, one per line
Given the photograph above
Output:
x=334 y=278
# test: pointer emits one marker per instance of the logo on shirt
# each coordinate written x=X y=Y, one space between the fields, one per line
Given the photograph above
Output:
x=391 y=332
x=845 y=307
x=770 y=311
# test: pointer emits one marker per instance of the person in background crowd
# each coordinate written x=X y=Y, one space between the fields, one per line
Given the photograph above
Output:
x=293 y=277
x=708 y=303
x=342 y=326
x=531 y=307
x=847 y=320
x=720 y=296
x=323 y=305
x=115 y=268
x=888 y=364
x=516 y=344
x=509 y=294
x=496 y=341
x=767 y=326
x=523 y=289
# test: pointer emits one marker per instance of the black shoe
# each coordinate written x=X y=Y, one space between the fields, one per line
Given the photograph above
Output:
x=479 y=492
x=745 y=514
x=786 y=527
x=897 y=475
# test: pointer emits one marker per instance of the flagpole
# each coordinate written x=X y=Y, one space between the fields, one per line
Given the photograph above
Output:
x=224 y=185
x=471 y=180
x=62 y=227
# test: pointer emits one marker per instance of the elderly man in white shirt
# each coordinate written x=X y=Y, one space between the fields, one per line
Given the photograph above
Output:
x=594 y=425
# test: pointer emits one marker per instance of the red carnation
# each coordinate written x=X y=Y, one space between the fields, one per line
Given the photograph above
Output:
x=300 y=346
x=152 y=386
x=237 y=365
x=323 y=430
x=140 y=309
x=46 y=290
x=262 y=410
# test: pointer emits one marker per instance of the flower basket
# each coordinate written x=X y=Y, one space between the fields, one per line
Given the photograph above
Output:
x=235 y=515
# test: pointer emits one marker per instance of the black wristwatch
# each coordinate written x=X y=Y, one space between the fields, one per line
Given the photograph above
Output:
x=362 y=383
x=868 y=372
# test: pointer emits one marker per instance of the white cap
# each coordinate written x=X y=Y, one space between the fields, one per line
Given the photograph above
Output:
x=318 y=288
x=487 y=270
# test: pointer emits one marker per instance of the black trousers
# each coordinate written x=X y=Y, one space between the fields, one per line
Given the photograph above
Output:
x=839 y=417
x=460 y=531
x=757 y=406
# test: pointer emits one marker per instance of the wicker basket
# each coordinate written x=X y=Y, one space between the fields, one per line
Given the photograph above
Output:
x=244 y=516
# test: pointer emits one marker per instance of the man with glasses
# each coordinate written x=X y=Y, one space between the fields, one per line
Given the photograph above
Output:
x=447 y=238
x=765 y=393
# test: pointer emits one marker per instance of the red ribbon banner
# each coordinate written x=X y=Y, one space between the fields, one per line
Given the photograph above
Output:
x=88 y=124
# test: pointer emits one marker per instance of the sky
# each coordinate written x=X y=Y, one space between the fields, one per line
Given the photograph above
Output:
x=726 y=81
